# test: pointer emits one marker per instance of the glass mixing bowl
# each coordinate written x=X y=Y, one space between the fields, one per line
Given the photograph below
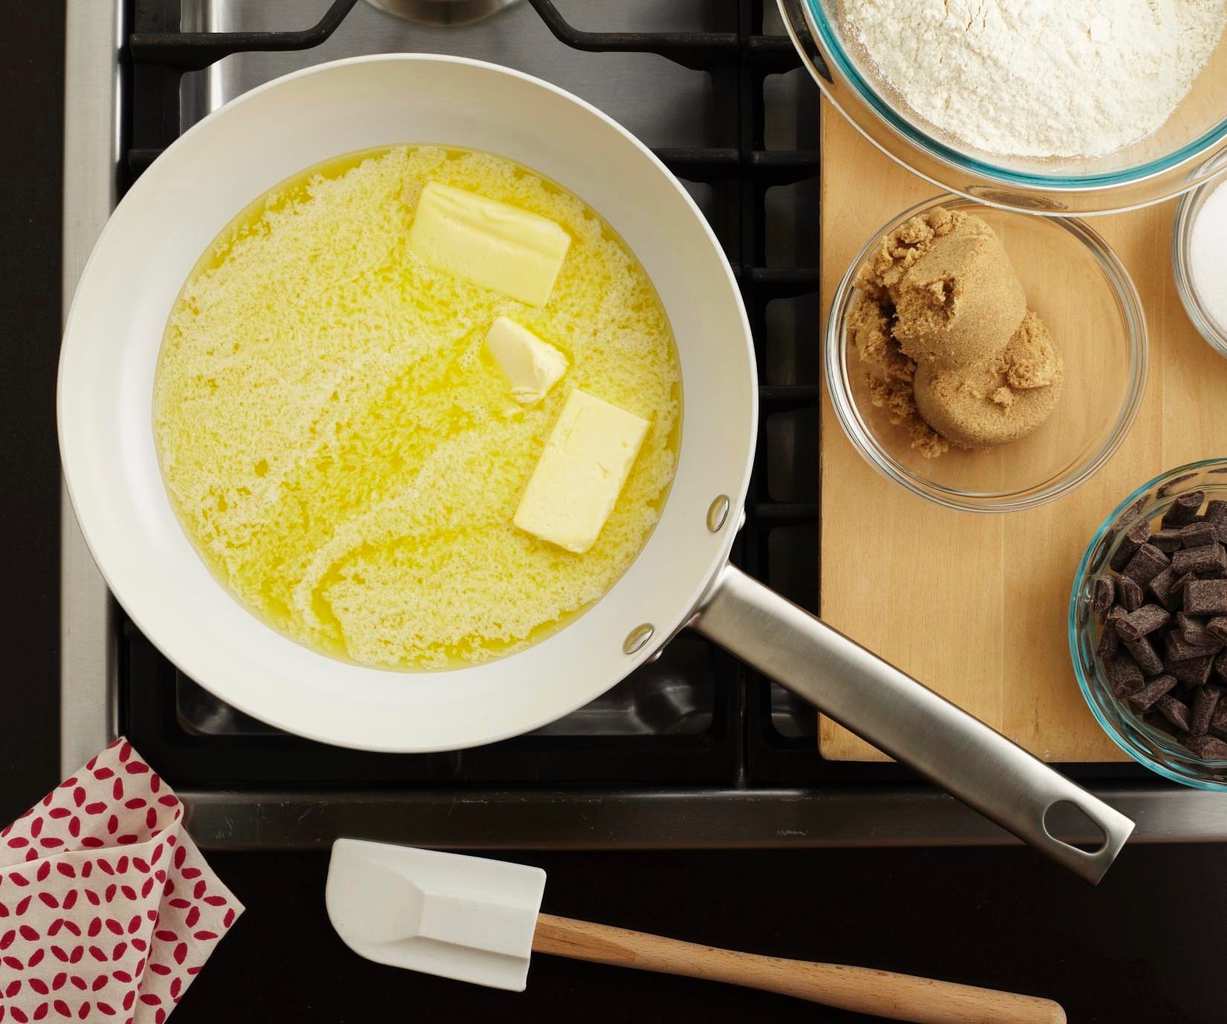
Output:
x=1164 y=164
x=1143 y=742
x=1080 y=289
x=1207 y=326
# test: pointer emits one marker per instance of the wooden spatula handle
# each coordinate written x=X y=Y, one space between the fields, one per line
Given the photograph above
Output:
x=860 y=989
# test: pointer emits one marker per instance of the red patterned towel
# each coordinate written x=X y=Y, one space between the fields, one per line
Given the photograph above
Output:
x=107 y=909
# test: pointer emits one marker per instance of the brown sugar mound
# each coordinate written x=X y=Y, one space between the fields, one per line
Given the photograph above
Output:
x=869 y=330
x=890 y=374
x=999 y=400
x=943 y=333
x=953 y=291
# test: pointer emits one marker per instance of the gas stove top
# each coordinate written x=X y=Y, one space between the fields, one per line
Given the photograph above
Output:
x=693 y=749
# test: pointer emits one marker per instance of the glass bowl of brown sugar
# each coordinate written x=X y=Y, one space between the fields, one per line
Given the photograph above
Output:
x=1074 y=282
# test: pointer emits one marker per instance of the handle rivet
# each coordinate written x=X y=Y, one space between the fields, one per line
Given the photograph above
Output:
x=637 y=637
x=718 y=513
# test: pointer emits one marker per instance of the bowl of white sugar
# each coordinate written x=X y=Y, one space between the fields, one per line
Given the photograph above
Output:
x=1198 y=244
x=1058 y=107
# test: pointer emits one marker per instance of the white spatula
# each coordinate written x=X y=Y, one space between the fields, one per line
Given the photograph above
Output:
x=479 y=920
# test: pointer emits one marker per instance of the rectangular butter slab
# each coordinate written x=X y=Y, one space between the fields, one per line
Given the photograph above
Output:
x=497 y=246
x=581 y=472
x=531 y=366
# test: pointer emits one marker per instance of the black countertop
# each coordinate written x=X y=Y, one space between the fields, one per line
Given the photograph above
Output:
x=1141 y=947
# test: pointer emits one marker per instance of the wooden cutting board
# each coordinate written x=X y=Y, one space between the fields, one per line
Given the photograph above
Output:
x=975 y=605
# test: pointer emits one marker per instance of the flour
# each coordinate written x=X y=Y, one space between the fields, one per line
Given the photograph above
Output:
x=1040 y=78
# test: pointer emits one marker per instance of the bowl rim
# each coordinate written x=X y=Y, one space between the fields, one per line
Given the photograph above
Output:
x=1073 y=629
x=960 y=161
x=1182 y=236
x=835 y=367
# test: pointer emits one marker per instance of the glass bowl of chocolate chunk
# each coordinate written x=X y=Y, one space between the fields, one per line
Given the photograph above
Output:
x=985 y=360
x=1148 y=625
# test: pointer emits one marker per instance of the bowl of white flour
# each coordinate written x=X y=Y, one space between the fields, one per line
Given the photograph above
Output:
x=1051 y=106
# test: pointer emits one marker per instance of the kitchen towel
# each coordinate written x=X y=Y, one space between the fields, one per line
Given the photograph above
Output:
x=107 y=908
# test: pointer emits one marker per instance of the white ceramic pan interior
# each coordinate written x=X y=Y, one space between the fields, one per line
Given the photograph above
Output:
x=115 y=328
x=110 y=351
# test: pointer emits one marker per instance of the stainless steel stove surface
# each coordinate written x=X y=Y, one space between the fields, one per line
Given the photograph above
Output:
x=691 y=750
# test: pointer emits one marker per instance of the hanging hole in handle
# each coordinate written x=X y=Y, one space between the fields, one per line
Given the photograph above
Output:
x=1068 y=823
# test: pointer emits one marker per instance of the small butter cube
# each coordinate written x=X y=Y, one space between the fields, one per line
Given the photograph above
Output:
x=495 y=245
x=577 y=480
x=531 y=366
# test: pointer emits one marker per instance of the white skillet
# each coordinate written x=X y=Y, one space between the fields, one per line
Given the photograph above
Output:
x=105 y=422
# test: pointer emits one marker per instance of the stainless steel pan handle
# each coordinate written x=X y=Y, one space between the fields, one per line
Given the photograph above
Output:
x=905 y=719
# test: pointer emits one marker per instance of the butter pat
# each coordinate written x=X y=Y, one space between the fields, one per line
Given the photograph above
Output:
x=492 y=244
x=581 y=472
x=531 y=366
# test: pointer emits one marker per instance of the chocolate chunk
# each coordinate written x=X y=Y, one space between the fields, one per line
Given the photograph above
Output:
x=1175 y=711
x=1147 y=562
x=1151 y=692
x=1205 y=597
x=1205 y=700
x=1216 y=516
x=1179 y=649
x=1207 y=748
x=1124 y=676
x=1207 y=560
x=1145 y=620
x=1198 y=534
x=1193 y=671
x=1133 y=539
x=1173 y=485
x=1109 y=640
x=1168 y=587
x=1218 y=721
x=1193 y=630
x=1217 y=628
x=1130 y=594
x=1167 y=541
x=1103 y=594
x=1184 y=509
x=1220 y=665
x=1161 y=585
x=1144 y=655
